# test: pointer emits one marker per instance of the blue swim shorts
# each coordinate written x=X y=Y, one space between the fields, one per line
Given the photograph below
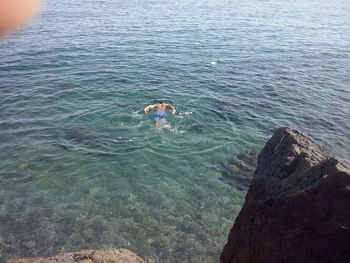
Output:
x=160 y=116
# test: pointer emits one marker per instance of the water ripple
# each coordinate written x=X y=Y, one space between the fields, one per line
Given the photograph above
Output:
x=83 y=167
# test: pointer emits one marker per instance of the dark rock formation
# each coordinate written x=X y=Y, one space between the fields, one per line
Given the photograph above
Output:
x=297 y=208
x=239 y=171
x=87 y=256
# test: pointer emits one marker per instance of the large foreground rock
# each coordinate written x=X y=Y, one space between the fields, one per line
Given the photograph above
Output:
x=87 y=256
x=297 y=208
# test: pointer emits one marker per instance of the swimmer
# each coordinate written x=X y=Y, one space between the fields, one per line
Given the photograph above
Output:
x=161 y=114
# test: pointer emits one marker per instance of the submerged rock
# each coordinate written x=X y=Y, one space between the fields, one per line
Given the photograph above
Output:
x=239 y=171
x=74 y=137
x=297 y=208
x=87 y=256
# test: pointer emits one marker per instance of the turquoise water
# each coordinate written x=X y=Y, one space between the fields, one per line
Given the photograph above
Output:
x=81 y=166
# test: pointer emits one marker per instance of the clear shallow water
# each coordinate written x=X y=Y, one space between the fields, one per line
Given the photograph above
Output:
x=82 y=167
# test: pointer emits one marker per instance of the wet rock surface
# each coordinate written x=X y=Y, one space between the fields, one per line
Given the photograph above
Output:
x=297 y=208
x=87 y=256
x=240 y=169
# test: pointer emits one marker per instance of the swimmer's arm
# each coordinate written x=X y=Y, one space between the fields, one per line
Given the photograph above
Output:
x=149 y=107
x=173 y=111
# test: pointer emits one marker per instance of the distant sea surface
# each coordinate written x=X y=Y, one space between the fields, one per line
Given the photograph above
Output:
x=81 y=165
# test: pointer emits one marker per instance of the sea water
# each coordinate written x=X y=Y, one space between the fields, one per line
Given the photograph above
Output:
x=81 y=165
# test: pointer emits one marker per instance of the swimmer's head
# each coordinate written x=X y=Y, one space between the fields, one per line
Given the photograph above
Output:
x=161 y=102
